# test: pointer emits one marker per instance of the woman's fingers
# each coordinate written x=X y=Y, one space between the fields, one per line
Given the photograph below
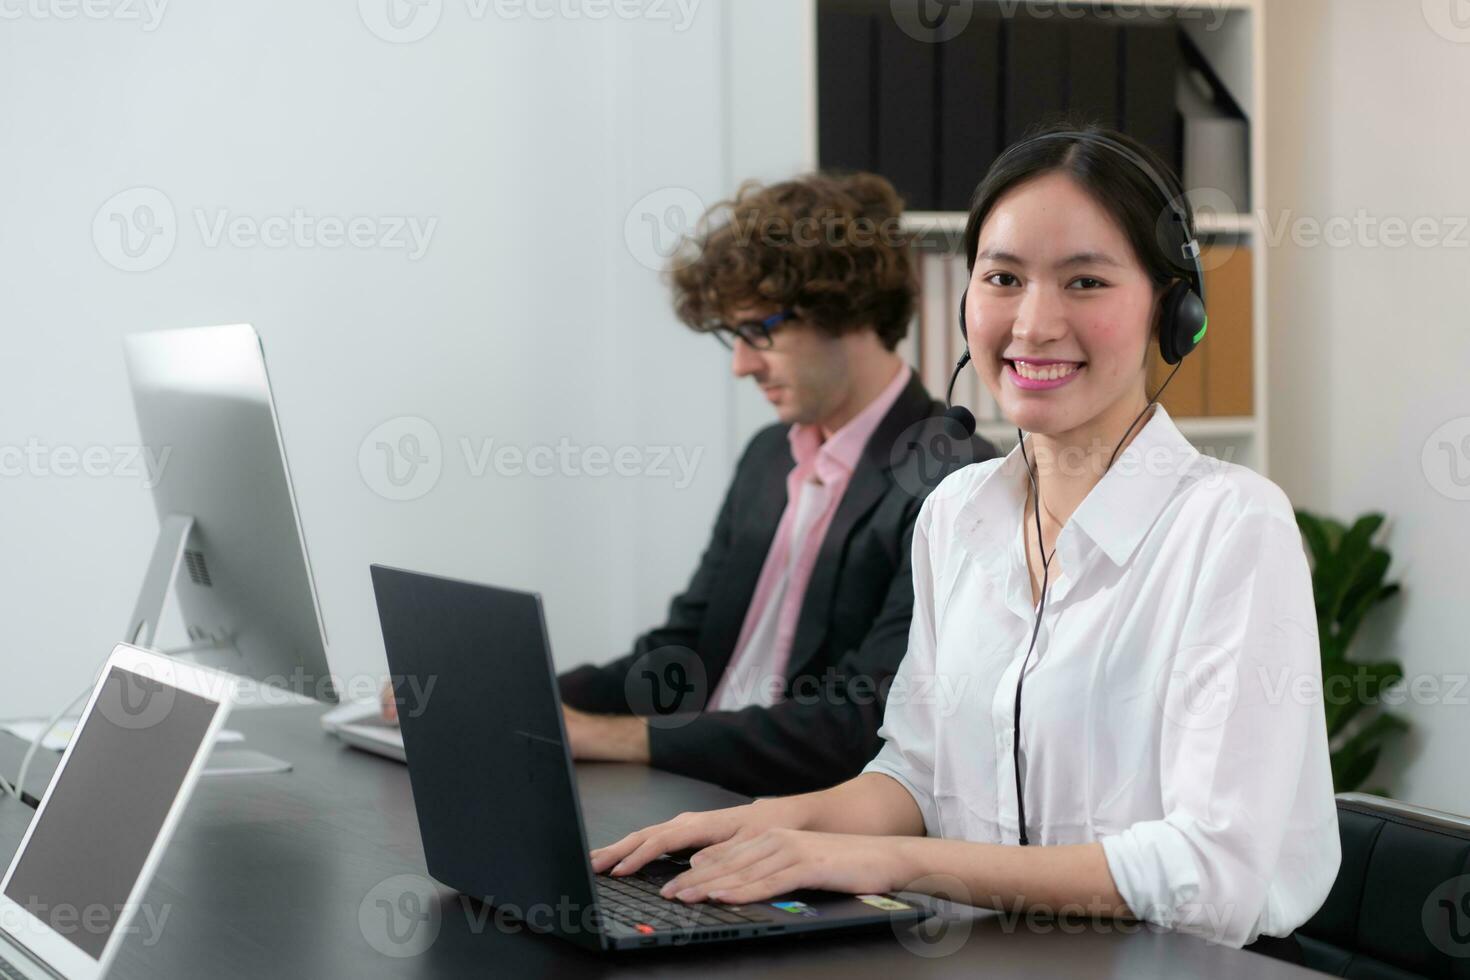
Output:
x=638 y=848
x=739 y=873
x=605 y=857
x=788 y=879
x=734 y=857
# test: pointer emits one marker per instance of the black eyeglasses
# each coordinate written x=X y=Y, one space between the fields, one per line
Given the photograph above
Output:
x=756 y=333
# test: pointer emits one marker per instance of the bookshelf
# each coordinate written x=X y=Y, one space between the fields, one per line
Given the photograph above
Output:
x=1230 y=37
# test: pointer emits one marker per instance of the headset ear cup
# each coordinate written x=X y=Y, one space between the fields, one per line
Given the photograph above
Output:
x=1181 y=319
x=964 y=330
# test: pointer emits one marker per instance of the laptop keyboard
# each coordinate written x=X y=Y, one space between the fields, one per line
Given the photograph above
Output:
x=636 y=903
x=8 y=970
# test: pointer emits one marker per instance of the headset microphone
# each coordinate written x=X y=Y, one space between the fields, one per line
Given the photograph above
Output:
x=962 y=419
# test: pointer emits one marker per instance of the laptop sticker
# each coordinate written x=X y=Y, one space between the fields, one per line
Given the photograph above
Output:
x=795 y=908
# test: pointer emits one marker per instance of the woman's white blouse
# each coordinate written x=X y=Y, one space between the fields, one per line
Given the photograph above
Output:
x=1172 y=708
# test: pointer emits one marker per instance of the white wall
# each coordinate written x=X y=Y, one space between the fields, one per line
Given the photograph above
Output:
x=1370 y=351
x=529 y=318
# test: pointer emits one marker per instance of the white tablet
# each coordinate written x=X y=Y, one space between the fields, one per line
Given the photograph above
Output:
x=76 y=883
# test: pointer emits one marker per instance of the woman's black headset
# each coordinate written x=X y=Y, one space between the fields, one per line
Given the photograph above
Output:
x=1182 y=325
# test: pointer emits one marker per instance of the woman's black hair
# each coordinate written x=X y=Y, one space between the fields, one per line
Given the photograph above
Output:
x=1114 y=181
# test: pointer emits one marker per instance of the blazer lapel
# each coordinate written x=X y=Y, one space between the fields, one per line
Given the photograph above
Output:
x=870 y=481
x=753 y=534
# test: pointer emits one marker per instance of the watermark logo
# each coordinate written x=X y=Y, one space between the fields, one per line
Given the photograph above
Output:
x=950 y=923
x=1199 y=689
x=668 y=686
x=400 y=917
x=402 y=458
x=36 y=459
x=135 y=230
x=1450 y=19
x=1211 y=207
x=1212 y=13
x=406 y=21
x=658 y=223
x=400 y=21
x=148 y=14
x=1446 y=459
x=1445 y=917
x=932 y=21
x=928 y=451
x=139 y=697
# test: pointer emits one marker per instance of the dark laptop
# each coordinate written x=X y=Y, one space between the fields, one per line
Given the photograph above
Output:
x=496 y=794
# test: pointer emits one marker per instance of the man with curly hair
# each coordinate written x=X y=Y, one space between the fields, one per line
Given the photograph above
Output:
x=798 y=613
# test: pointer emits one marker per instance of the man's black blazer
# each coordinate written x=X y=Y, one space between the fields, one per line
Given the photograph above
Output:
x=851 y=633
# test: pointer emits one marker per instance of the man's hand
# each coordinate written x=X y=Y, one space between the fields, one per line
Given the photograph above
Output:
x=389 y=703
x=606 y=738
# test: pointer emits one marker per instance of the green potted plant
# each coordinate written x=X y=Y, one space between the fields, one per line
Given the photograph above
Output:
x=1348 y=572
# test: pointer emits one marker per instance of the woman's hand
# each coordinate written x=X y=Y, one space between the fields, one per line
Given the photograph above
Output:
x=757 y=866
x=690 y=830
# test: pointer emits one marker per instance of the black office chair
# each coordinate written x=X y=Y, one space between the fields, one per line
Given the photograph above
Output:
x=1400 y=907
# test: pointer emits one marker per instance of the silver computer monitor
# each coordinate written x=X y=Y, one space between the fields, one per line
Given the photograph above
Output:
x=230 y=542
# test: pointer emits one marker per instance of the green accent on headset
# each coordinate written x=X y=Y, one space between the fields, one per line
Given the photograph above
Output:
x=1200 y=336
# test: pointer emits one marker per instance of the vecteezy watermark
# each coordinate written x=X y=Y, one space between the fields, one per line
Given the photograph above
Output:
x=401 y=21
x=137 y=229
x=1199 y=689
x=1450 y=19
x=1445 y=917
x=1363 y=229
x=937 y=21
x=667 y=686
x=950 y=923
x=406 y=21
x=660 y=228
x=928 y=451
x=1208 y=919
x=400 y=916
x=657 y=225
x=932 y=21
x=141 y=697
x=1446 y=458
x=403 y=916
x=402 y=459
x=147 y=14
x=93 y=920
x=37 y=459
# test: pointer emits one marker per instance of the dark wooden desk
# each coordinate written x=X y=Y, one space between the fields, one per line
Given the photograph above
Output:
x=279 y=876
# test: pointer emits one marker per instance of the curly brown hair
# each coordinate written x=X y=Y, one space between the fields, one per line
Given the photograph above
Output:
x=827 y=245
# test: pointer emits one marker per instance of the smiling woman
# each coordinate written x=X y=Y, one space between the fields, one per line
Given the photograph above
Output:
x=1156 y=773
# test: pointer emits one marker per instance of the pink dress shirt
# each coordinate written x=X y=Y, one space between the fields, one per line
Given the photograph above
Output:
x=814 y=488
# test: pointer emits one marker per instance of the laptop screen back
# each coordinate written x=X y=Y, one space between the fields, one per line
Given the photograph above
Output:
x=131 y=757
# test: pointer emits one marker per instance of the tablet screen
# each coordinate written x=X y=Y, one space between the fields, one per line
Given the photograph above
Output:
x=108 y=806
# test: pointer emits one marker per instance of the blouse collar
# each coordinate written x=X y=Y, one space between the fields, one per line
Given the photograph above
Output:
x=1115 y=515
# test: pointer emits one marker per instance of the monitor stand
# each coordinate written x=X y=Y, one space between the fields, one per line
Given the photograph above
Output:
x=163 y=568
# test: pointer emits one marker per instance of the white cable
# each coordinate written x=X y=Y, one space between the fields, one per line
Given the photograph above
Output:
x=25 y=765
x=18 y=787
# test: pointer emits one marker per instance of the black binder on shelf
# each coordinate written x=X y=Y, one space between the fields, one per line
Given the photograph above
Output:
x=1151 y=58
x=847 y=105
x=906 y=115
x=1093 y=49
x=932 y=117
x=968 y=108
x=1036 y=75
